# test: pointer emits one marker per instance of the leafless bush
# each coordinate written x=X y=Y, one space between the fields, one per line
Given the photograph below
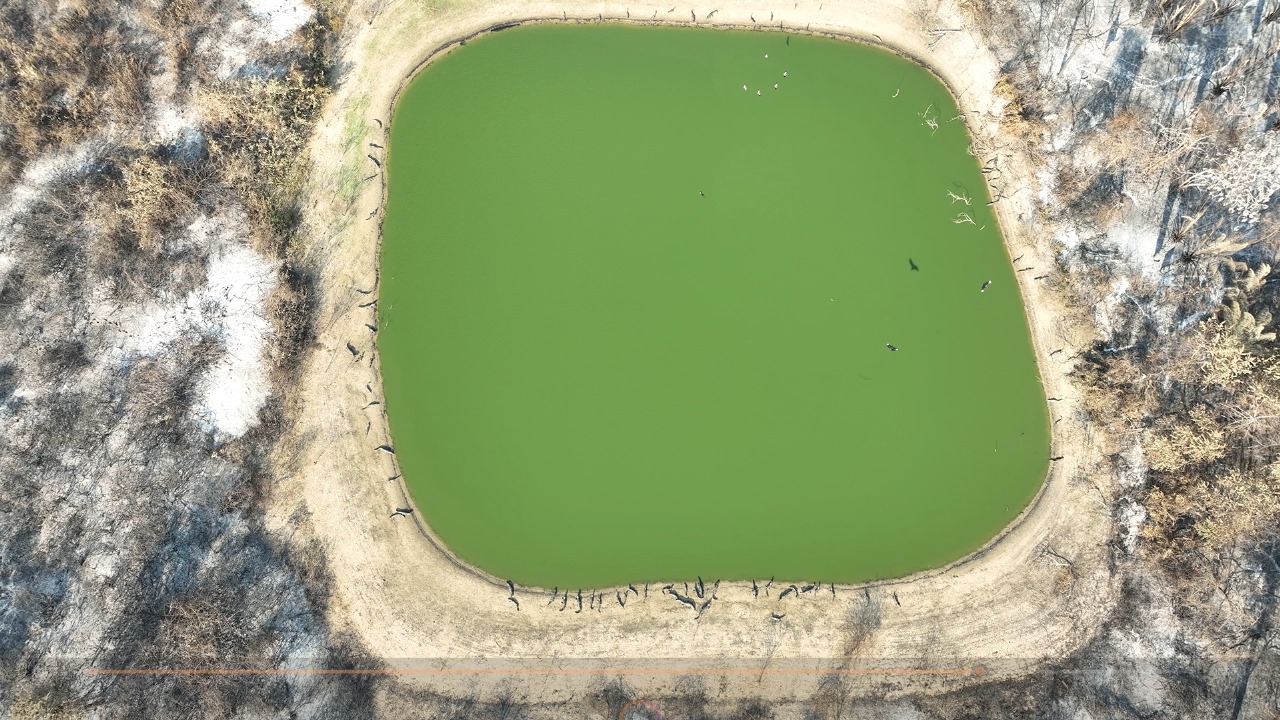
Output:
x=1242 y=179
x=860 y=622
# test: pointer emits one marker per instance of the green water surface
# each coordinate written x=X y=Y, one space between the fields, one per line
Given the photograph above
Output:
x=634 y=318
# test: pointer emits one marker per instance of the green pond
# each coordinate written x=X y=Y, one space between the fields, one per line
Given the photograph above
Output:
x=634 y=318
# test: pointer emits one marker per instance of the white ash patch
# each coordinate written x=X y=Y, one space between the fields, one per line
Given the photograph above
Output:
x=171 y=123
x=1159 y=635
x=1045 y=184
x=150 y=328
x=228 y=307
x=279 y=18
x=234 y=54
x=270 y=22
x=1135 y=237
x=6 y=266
x=103 y=563
x=1131 y=517
x=1105 y=306
x=1138 y=650
x=235 y=388
x=178 y=129
x=20 y=396
x=205 y=232
x=1133 y=465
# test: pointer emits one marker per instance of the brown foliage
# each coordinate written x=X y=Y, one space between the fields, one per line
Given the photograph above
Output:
x=1218 y=472
x=1021 y=119
x=1187 y=443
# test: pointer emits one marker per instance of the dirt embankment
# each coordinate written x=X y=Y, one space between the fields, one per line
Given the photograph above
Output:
x=1036 y=593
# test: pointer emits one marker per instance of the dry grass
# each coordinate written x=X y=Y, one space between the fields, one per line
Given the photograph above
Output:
x=83 y=74
x=1176 y=16
x=41 y=709
x=258 y=131
x=145 y=192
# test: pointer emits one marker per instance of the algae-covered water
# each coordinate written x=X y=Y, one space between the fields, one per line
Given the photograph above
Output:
x=634 y=317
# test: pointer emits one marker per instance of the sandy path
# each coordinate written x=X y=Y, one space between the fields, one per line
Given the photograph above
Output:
x=1003 y=608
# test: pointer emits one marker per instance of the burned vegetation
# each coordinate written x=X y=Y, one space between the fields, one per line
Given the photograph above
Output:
x=152 y=314
x=153 y=310
x=1154 y=129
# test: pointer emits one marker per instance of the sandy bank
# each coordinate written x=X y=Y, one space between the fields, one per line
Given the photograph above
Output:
x=1004 y=608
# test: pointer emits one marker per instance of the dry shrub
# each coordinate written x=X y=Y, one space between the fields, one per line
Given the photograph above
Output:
x=1218 y=472
x=1109 y=212
x=860 y=623
x=178 y=20
x=1181 y=145
x=1127 y=136
x=1123 y=144
x=1185 y=443
x=1122 y=391
x=1070 y=182
x=292 y=311
x=1244 y=504
x=196 y=628
x=258 y=132
x=1224 y=359
x=1021 y=120
x=144 y=195
x=1213 y=514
